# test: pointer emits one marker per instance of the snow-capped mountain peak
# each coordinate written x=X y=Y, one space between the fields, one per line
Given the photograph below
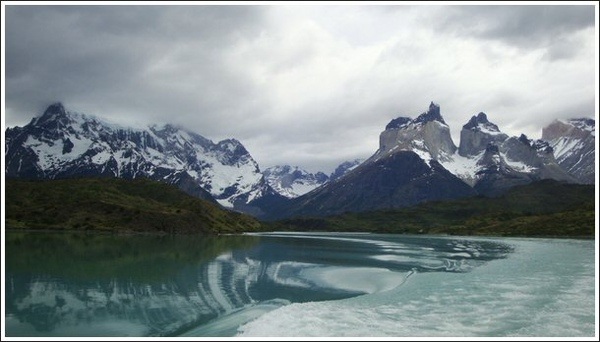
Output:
x=61 y=144
x=481 y=123
x=431 y=115
x=293 y=181
x=54 y=113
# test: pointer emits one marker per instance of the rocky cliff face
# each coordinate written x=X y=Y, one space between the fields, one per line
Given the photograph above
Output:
x=573 y=142
x=477 y=134
x=427 y=135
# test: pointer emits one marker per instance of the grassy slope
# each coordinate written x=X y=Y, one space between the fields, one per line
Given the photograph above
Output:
x=115 y=205
x=546 y=208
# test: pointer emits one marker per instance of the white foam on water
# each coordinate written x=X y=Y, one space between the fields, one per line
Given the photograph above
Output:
x=226 y=325
x=356 y=279
x=545 y=288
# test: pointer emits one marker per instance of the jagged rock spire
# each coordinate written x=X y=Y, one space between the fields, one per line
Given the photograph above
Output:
x=433 y=114
x=480 y=120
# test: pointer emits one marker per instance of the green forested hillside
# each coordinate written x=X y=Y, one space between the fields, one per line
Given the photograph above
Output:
x=545 y=208
x=115 y=205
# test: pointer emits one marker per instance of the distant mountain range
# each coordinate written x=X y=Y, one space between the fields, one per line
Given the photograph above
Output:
x=416 y=162
x=293 y=181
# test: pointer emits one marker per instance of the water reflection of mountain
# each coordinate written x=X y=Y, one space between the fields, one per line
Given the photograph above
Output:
x=65 y=285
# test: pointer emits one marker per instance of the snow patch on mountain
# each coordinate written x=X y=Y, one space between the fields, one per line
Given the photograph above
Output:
x=465 y=168
x=418 y=147
x=565 y=146
x=516 y=165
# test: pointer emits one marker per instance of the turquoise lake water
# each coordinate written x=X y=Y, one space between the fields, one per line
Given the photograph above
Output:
x=298 y=284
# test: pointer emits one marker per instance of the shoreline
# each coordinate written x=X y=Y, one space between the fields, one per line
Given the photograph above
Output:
x=151 y=233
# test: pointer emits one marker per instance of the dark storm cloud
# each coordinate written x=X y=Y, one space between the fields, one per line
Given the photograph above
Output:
x=119 y=58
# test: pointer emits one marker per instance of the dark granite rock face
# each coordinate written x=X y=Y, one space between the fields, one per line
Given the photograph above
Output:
x=432 y=114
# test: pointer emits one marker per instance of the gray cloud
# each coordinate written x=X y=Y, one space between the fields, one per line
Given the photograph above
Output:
x=125 y=59
x=526 y=27
x=306 y=85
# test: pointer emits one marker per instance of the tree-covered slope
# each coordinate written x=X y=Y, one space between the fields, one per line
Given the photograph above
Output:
x=545 y=208
x=116 y=205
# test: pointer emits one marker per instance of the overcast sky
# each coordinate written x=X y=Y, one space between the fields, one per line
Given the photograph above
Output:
x=302 y=85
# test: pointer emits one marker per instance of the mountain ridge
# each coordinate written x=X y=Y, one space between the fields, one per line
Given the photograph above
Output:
x=492 y=161
x=294 y=181
x=62 y=144
x=415 y=159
